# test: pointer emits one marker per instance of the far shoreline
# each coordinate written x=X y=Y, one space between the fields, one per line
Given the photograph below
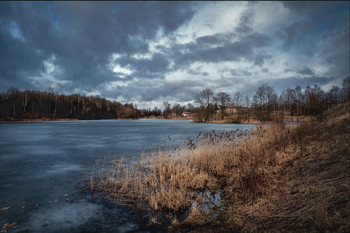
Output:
x=23 y=121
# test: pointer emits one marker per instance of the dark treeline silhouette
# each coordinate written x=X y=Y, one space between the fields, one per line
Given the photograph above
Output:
x=156 y=112
x=18 y=105
x=266 y=105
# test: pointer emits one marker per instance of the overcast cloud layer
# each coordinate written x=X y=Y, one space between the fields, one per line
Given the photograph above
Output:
x=150 y=52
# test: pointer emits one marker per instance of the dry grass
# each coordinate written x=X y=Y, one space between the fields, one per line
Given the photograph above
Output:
x=293 y=178
x=312 y=182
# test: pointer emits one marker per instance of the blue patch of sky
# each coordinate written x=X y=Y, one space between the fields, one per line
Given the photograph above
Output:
x=343 y=8
x=56 y=22
x=15 y=31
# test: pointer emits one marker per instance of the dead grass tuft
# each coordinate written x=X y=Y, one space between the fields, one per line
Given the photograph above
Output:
x=197 y=217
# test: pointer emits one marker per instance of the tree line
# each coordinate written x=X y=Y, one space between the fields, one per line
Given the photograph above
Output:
x=49 y=105
x=266 y=105
x=17 y=105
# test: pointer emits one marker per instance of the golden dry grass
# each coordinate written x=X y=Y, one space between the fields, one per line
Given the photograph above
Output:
x=276 y=177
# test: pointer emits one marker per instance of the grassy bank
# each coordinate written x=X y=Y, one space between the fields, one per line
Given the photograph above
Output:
x=275 y=177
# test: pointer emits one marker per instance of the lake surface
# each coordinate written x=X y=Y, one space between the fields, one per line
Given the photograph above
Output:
x=44 y=165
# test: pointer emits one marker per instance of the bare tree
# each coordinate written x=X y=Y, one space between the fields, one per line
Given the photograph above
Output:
x=287 y=98
x=299 y=99
x=167 y=109
x=346 y=89
x=205 y=98
x=315 y=101
x=25 y=100
x=237 y=99
x=263 y=101
x=333 y=96
x=223 y=99
x=270 y=98
x=247 y=101
x=71 y=102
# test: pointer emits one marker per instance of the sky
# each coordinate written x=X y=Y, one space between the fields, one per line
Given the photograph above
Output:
x=150 y=52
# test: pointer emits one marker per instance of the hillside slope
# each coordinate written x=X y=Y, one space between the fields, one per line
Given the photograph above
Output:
x=310 y=188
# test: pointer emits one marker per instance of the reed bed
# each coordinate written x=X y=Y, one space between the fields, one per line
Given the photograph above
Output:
x=268 y=177
x=215 y=161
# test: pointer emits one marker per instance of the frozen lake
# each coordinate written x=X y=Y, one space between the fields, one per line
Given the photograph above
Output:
x=44 y=165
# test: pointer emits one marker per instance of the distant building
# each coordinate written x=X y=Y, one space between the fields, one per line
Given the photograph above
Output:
x=186 y=114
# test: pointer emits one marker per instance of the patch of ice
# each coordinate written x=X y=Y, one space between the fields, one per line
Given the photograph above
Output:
x=127 y=227
x=209 y=200
x=63 y=168
x=63 y=218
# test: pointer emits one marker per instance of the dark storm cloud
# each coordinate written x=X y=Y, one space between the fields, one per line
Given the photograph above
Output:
x=121 y=28
x=247 y=18
x=260 y=58
x=319 y=17
x=229 y=73
x=75 y=45
x=335 y=52
x=212 y=39
x=290 y=34
x=220 y=47
x=233 y=72
x=292 y=82
x=249 y=86
x=157 y=64
x=215 y=48
x=81 y=36
x=325 y=10
x=306 y=71
x=322 y=33
x=18 y=60
x=197 y=72
x=182 y=91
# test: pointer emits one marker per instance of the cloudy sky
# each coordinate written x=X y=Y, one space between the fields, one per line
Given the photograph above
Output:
x=150 y=52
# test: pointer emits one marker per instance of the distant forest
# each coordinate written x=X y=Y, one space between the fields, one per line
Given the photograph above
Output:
x=17 y=105
x=265 y=105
